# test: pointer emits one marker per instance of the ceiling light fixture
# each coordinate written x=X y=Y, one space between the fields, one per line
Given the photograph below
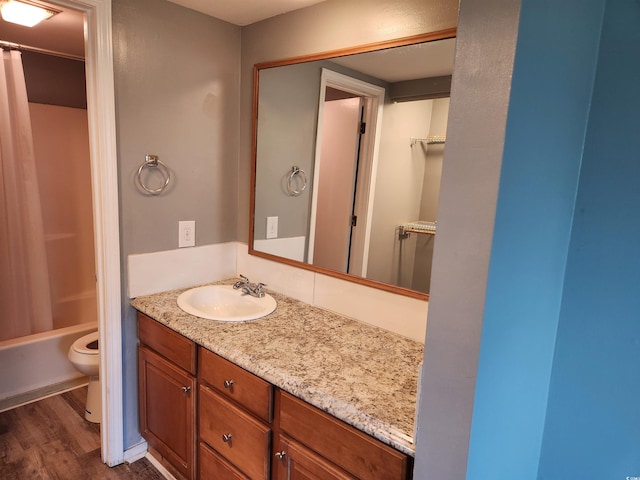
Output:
x=24 y=13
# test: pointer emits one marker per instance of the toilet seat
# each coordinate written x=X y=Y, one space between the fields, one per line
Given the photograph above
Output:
x=82 y=345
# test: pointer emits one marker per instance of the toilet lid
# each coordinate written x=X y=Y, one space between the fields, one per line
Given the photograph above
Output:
x=87 y=345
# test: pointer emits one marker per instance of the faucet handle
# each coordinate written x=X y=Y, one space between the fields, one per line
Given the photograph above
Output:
x=241 y=283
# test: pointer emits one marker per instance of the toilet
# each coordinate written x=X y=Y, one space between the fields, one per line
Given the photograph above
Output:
x=85 y=357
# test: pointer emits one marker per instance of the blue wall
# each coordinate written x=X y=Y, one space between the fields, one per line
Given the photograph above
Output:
x=593 y=418
x=552 y=85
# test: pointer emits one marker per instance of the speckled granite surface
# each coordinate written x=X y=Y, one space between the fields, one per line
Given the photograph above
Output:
x=361 y=374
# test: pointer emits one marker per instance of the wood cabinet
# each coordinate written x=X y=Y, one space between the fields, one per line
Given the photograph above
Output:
x=167 y=394
x=294 y=461
x=312 y=440
x=246 y=428
x=236 y=384
x=234 y=414
x=212 y=466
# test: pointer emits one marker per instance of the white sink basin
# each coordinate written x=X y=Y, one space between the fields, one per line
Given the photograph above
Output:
x=223 y=303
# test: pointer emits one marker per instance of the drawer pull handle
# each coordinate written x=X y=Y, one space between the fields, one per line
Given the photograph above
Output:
x=226 y=437
x=228 y=383
x=186 y=389
x=281 y=456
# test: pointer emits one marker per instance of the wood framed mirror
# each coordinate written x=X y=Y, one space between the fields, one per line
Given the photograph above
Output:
x=347 y=152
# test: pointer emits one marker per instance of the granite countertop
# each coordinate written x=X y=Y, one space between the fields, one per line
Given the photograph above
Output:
x=359 y=373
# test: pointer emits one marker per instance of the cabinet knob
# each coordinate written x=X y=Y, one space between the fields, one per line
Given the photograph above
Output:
x=186 y=389
x=226 y=437
x=228 y=383
x=281 y=455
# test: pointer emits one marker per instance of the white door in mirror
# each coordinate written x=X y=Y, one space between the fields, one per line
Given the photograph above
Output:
x=223 y=303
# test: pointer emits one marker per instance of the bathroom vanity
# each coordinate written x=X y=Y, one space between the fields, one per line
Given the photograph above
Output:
x=300 y=393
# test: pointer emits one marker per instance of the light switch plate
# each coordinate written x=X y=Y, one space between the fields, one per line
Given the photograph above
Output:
x=272 y=227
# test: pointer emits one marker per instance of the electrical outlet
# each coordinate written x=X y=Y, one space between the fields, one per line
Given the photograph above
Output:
x=272 y=227
x=187 y=233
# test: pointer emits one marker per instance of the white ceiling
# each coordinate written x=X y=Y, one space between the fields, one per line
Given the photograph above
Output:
x=424 y=60
x=245 y=12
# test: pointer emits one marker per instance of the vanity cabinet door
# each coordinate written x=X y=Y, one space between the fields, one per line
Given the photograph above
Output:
x=236 y=435
x=293 y=461
x=167 y=396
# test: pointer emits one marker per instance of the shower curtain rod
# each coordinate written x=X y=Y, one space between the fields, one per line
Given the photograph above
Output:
x=16 y=46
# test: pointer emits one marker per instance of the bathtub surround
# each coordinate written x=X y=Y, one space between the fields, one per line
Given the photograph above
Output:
x=61 y=145
x=162 y=271
x=39 y=365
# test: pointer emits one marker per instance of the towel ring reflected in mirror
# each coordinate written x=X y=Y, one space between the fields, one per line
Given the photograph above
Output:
x=296 y=177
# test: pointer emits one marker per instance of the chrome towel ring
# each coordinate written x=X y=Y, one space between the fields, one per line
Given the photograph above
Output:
x=152 y=161
x=296 y=176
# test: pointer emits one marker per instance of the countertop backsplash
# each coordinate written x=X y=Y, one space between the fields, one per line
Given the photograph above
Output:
x=162 y=271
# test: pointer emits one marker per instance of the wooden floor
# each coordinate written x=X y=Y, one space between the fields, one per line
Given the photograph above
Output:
x=50 y=439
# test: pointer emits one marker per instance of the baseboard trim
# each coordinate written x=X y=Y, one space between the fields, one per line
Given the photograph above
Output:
x=41 y=393
x=135 y=453
x=159 y=466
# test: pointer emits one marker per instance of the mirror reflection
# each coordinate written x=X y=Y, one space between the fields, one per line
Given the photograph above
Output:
x=348 y=158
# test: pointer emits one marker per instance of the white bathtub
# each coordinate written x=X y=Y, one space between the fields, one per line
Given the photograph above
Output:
x=36 y=366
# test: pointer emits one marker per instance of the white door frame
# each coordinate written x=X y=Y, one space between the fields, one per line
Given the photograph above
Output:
x=104 y=182
x=370 y=148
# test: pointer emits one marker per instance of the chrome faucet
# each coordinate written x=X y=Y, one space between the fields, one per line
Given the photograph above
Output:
x=248 y=288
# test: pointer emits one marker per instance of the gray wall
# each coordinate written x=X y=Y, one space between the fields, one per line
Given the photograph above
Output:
x=176 y=74
x=177 y=93
x=179 y=82
x=466 y=214
x=286 y=137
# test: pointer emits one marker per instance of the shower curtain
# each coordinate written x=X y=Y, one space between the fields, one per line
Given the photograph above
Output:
x=25 y=299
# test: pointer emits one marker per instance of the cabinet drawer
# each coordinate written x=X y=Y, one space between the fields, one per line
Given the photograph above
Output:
x=212 y=466
x=234 y=434
x=171 y=345
x=235 y=383
x=296 y=462
x=349 y=448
